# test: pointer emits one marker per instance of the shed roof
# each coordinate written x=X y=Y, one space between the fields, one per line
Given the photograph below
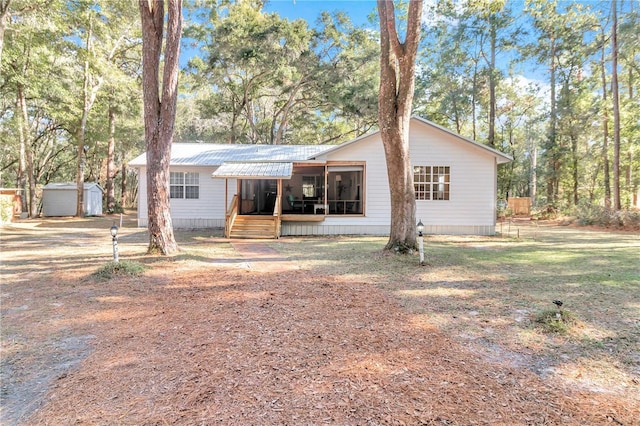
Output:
x=58 y=186
x=254 y=170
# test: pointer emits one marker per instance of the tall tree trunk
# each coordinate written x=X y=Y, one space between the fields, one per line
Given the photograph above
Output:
x=123 y=185
x=629 y=174
x=80 y=131
x=574 y=167
x=28 y=152
x=616 y=106
x=4 y=12
x=22 y=160
x=552 y=148
x=492 y=85
x=534 y=172
x=605 y=127
x=89 y=94
x=474 y=101
x=111 y=166
x=159 y=114
x=397 y=82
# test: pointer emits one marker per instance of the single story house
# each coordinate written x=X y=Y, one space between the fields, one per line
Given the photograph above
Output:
x=61 y=199
x=274 y=190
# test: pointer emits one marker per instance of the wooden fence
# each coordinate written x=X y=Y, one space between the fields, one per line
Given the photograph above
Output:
x=519 y=205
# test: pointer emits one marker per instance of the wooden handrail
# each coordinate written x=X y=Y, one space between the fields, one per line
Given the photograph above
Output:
x=231 y=215
x=277 y=211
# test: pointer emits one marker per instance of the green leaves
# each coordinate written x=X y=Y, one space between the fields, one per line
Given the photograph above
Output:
x=274 y=81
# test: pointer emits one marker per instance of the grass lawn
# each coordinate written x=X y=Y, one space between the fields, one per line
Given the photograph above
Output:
x=322 y=330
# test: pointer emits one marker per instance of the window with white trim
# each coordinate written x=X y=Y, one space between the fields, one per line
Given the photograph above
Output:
x=184 y=185
x=431 y=182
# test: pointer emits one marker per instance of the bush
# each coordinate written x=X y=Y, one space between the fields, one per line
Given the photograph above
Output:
x=6 y=209
x=545 y=212
x=117 y=208
x=125 y=268
x=555 y=321
x=588 y=214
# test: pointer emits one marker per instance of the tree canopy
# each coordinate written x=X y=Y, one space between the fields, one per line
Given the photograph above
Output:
x=534 y=79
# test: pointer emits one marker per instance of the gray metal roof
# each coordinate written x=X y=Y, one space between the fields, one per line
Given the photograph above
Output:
x=254 y=170
x=206 y=154
x=64 y=186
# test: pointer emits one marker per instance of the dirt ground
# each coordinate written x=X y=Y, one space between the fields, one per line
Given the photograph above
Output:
x=245 y=338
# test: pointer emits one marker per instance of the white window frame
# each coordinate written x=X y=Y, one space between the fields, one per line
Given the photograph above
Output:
x=432 y=183
x=184 y=185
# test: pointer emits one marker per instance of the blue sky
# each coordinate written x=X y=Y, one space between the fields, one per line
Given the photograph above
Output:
x=309 y=10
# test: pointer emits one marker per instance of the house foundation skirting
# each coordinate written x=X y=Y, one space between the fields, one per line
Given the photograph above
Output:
x=189 y=223
x=301 y=228
x=313 y=228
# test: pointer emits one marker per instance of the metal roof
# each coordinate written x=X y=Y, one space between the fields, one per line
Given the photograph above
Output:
x=254 y=170
x=206 y=154
x=65 y=186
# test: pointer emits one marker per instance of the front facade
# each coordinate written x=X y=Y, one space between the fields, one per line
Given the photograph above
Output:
x=331 y=189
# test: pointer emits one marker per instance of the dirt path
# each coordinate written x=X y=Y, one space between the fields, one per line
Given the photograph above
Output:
x=250 y=340
x=260 y=257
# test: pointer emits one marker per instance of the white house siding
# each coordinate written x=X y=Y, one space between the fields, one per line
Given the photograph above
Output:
x=376 y=195
x=471 y=206
x=470 y=209
x=208 y=211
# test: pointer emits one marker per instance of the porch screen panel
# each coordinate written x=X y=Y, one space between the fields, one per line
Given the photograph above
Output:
x=346 y=189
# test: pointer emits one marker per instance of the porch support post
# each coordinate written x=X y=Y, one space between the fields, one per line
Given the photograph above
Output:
x=226 y=194
x=326 y=189
x=278 y=207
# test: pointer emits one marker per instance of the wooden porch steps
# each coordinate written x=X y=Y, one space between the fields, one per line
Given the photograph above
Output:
x=254 y=227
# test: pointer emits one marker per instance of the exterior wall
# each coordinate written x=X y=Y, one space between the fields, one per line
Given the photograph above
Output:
x=62 y=202
x=377 y=209
x=473 y=174
x=92 y=201
x=208 y=211
x=470 y=209
x=473 y=178
x=59 y=202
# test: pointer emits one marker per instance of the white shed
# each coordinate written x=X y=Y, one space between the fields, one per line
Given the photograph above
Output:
x=60 y=199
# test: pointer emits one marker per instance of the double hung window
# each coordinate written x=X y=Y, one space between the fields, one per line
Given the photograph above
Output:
x=184 y=185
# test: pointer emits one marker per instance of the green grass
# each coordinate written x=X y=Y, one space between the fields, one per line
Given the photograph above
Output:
x=123 y=268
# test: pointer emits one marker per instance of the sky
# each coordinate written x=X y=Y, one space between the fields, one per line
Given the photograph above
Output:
x=309 y=10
